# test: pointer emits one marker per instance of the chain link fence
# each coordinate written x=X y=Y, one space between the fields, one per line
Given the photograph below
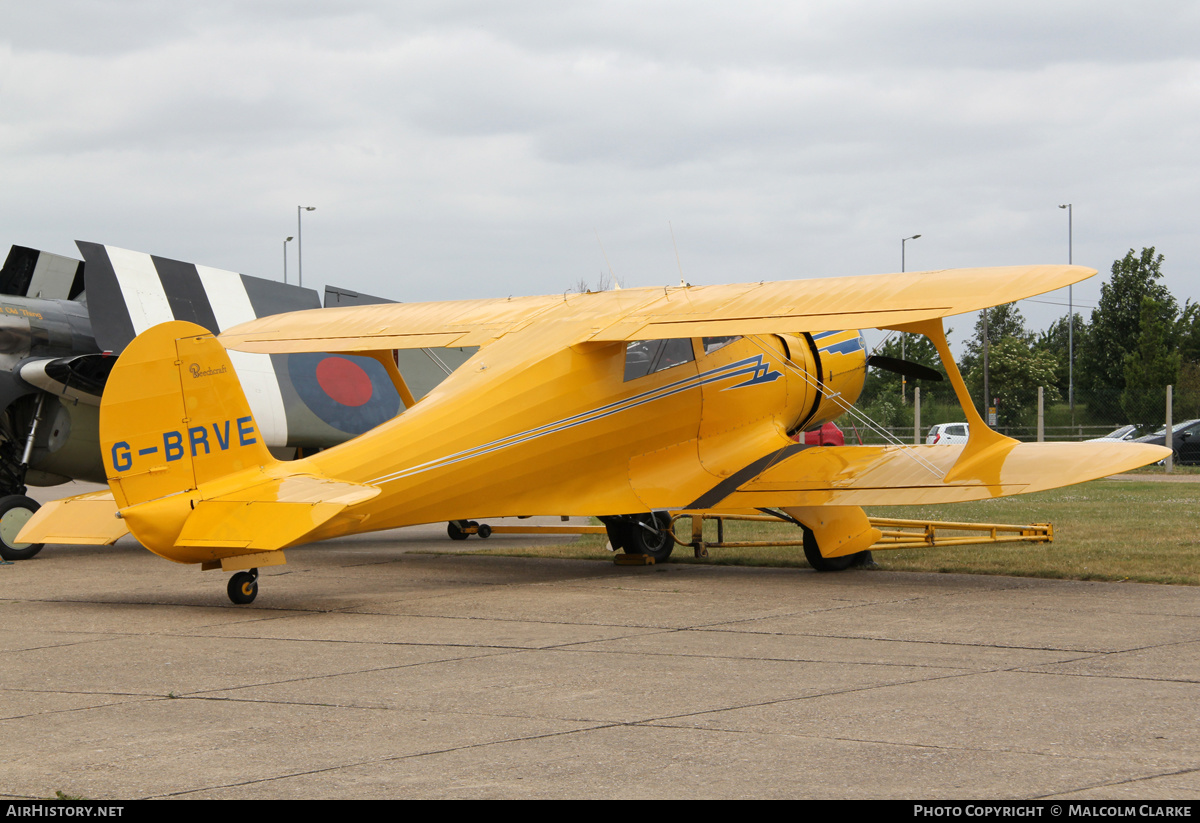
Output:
x=1093 y=415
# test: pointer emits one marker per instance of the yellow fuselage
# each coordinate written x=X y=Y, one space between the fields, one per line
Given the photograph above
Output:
x=569 y=427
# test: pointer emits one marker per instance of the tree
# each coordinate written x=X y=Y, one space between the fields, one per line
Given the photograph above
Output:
x=1015 y=372
x=1188 y=331
x=1187 y=386
x=582 y=286
x=1056 y=341
x=1117 y=321
x=1187 y=392
x=1002 y=321
x=1148 y=369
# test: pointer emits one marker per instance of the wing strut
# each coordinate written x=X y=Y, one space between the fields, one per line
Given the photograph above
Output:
x=981 y=440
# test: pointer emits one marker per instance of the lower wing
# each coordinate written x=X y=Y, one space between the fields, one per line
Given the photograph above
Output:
x=914 y=475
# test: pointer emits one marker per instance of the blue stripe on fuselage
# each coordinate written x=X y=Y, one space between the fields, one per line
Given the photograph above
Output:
x=845 y=347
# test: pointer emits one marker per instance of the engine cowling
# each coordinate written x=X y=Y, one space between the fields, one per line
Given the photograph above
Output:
x=838 y=366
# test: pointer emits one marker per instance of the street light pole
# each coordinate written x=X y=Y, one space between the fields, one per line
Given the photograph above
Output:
x=300 y=243
x=902 y=242
x=903 y=336
x=986 y=345
x=285 y=242
x=1070 y=312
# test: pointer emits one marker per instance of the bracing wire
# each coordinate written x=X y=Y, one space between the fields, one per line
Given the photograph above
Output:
x=438 y=361
x=857 y=414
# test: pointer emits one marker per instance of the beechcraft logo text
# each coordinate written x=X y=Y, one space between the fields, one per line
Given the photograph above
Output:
x=199 y=372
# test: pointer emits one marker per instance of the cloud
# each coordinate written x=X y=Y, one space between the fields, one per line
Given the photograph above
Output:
x=464 y=148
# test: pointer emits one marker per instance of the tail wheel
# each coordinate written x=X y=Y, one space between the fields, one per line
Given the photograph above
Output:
x=649 y=534
x=243 y=587
x=15 y=511
x=455 y=529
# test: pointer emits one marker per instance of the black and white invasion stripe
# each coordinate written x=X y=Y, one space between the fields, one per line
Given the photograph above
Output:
x=130 y=291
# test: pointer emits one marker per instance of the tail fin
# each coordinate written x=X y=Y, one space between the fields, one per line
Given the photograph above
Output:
x=186 y=461
x=40 y=274
x=187 y=465
x=174 y=416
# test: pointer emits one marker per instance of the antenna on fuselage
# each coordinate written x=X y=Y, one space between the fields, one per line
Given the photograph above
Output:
x=616 y=282
x=682 y=283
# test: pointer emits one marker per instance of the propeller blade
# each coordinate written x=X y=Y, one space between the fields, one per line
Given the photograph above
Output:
x=913 y=371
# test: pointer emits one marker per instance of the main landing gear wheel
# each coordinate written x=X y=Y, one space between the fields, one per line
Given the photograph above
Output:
x=243 y=587
x=649 y=534
x=15 y=511
x=457 y=529
x=832 y=564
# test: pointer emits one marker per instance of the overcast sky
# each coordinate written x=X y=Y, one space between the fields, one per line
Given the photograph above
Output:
x=468 y=149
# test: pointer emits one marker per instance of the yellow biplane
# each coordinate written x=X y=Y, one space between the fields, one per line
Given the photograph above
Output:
x=622 y=405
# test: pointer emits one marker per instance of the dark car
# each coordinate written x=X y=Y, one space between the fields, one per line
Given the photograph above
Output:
x=1185 y=441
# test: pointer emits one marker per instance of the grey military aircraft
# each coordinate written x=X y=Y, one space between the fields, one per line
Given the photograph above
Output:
x=64 y=322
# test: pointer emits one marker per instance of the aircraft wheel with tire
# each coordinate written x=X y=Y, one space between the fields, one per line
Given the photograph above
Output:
x=649 y=534
x=15 y=511
x=243 y=587
x=484 y=531
x=454 y=529
x=829 y=564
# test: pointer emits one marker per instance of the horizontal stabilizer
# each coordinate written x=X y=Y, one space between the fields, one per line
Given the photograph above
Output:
x=915 y=475
x=269 y=515
x=89 y=519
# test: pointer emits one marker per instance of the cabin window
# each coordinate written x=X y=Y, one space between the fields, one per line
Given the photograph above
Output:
x=644 y=357
x=711 y=344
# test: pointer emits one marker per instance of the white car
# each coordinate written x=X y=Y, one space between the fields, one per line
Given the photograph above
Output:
x=1123 y=433
x=947 y=433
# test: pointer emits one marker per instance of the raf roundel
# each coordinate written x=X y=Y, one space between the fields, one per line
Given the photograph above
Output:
x=352 y=394
x=344 y=381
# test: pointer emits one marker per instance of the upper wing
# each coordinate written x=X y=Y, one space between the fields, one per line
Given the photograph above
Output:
x=827 y=304
x=644 y=314
x=388 y=326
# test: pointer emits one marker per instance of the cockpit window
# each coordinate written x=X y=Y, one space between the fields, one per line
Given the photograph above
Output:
x=711 y=344
x=644 y=357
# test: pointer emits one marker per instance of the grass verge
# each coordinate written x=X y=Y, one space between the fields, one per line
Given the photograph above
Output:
x=1103 y=530
x=1154 y=468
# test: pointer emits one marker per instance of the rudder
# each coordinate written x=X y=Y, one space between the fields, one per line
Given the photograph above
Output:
x=174 y=416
